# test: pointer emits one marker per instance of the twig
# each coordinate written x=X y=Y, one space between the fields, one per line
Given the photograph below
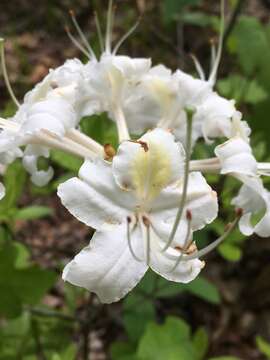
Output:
x=233 y=20
x=51 y=313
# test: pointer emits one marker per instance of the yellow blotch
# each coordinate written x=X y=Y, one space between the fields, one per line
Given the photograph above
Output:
x=151 y=171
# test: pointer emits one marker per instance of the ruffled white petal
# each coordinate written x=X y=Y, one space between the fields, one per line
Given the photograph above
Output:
x=201 y=203
x=107 y=267
x=163 y=263
x=94 y=198
x=252 y=199
x=2 y=191
x=54 y=115
x=236 y=156
x=30 y=158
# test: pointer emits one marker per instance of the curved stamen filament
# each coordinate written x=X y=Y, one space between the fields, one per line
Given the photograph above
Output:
x=99 y=32
x=77 y=44
x=218 y=241
x=86 y=141
x=190 y=114
x=187 y=244
x=198 y=67
x=213 y=74
x=123 y=133
x=110 y=15
x=129 y=240
x=5 y=74
x=147 y=224
x=123 y=39
x=81 y=34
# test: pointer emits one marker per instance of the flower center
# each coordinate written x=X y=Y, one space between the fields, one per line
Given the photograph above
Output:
x=151 y=170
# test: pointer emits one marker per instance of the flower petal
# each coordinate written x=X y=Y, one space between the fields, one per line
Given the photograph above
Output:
x=94 y=198
x=163 y=263
x=236 y=156
x=30 y=158
x=201 y=203
x=150 y=164
x=55 y=115
x=107 y=267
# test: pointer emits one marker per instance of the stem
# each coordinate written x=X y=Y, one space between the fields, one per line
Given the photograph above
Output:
x=190 y=113
x=5 y=74
x=123 y=133
x=233 y=20
x=50 y=313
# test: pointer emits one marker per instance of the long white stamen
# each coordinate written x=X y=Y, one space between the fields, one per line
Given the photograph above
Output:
x=129 y=240
x=86 y=141
x=218 y=241
x=213 y=74
x=186 y=245
x=81 y=34
x=45 y=137
x=198 y=67
x=146 y=223
x=5 y=74
x=77 y=44
x=119 y=117
x=123 y=39
x=190 y=113
x=100 y=37
x=108 y=45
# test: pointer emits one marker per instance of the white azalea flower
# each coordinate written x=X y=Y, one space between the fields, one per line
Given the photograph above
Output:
x=236 y=159
x=132 y=203
x=254 y=199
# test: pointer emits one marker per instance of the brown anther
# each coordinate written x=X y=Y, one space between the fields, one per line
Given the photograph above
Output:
x=71 y=13
x=144 y=145
x=129 y=219
x=67 y=29
x=54 y=84
x=212 y=41
x=109 y=151
x=189 y=215
x=191 y=249
x=179 y=248
x=239 y=212
x=146 y=221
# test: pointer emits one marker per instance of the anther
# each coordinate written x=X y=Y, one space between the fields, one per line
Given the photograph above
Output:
x=188 y=215
x=146 y=221
x=109 y=151
x=144 y=145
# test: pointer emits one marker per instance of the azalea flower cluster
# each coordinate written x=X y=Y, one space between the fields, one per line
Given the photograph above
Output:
x=147 y=198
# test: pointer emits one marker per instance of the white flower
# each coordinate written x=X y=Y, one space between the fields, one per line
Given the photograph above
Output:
x=254 y=199
x=236 y=159
x=133 y=203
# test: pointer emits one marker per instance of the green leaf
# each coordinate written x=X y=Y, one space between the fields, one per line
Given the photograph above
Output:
x=200 y=343
x=230 y=251
x=171 y=8
x=33 y=212
x=122 y=351
x=14 y=180
x=66 y=161
x=138 y=311
x=204 y=289
x=170 y=341
x=225 y=358
x=20 y=285
x=263 y=346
